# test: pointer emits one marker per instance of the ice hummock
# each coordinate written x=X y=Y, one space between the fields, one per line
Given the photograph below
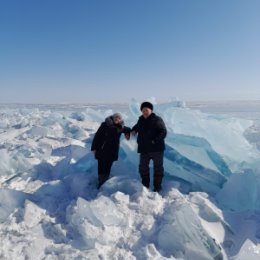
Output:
x=241 y=192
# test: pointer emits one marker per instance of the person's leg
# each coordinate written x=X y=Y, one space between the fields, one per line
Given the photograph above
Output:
x=158 y=170
x=104 y=168
x=144 y=169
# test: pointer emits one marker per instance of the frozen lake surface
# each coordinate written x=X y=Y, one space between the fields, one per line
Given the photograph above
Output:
x=208 y=209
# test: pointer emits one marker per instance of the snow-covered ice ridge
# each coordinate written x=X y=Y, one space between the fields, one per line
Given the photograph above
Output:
x=50 y=208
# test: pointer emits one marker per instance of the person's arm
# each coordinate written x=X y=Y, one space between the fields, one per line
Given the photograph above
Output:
x=161 y=130
x=135 y=128
x=127 y=131
x=97 y=140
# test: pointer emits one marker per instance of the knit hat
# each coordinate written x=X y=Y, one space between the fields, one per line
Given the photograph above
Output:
x=147 y=105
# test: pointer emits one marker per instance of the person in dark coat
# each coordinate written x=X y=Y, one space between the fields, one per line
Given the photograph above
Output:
x=151 y=132
x=106 y=143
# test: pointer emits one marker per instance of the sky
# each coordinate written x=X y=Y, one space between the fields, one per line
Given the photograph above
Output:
x=109 y=51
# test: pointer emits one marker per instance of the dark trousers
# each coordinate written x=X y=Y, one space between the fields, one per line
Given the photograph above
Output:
x=157 y=158
x=104 y=168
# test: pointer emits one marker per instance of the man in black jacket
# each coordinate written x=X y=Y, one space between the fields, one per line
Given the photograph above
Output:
x=151 y=134
x=106 y=143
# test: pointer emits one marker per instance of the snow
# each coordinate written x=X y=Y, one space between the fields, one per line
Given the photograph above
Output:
x=50 y=207
x=248 y=251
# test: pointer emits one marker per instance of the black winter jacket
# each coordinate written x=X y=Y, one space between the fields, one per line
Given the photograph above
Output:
x=107 y=139
x=151 y=134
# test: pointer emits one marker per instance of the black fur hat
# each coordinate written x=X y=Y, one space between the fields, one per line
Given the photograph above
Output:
x=146 y=104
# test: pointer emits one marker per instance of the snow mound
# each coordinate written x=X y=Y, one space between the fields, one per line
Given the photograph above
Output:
x=168 y=225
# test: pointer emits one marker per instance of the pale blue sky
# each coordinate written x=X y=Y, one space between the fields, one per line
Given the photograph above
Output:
x=83 y=51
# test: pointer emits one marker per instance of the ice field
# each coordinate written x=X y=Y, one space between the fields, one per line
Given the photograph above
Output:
x=209 y=207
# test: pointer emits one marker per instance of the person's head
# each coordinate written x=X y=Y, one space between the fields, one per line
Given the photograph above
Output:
x=117 y=118
x=147 y=109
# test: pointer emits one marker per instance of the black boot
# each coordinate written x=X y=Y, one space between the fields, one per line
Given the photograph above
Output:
x=102 y=178
x=157 y=183
x=146 y=181
x=157 y=189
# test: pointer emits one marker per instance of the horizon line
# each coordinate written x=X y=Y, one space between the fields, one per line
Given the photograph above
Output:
x=126 y=103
